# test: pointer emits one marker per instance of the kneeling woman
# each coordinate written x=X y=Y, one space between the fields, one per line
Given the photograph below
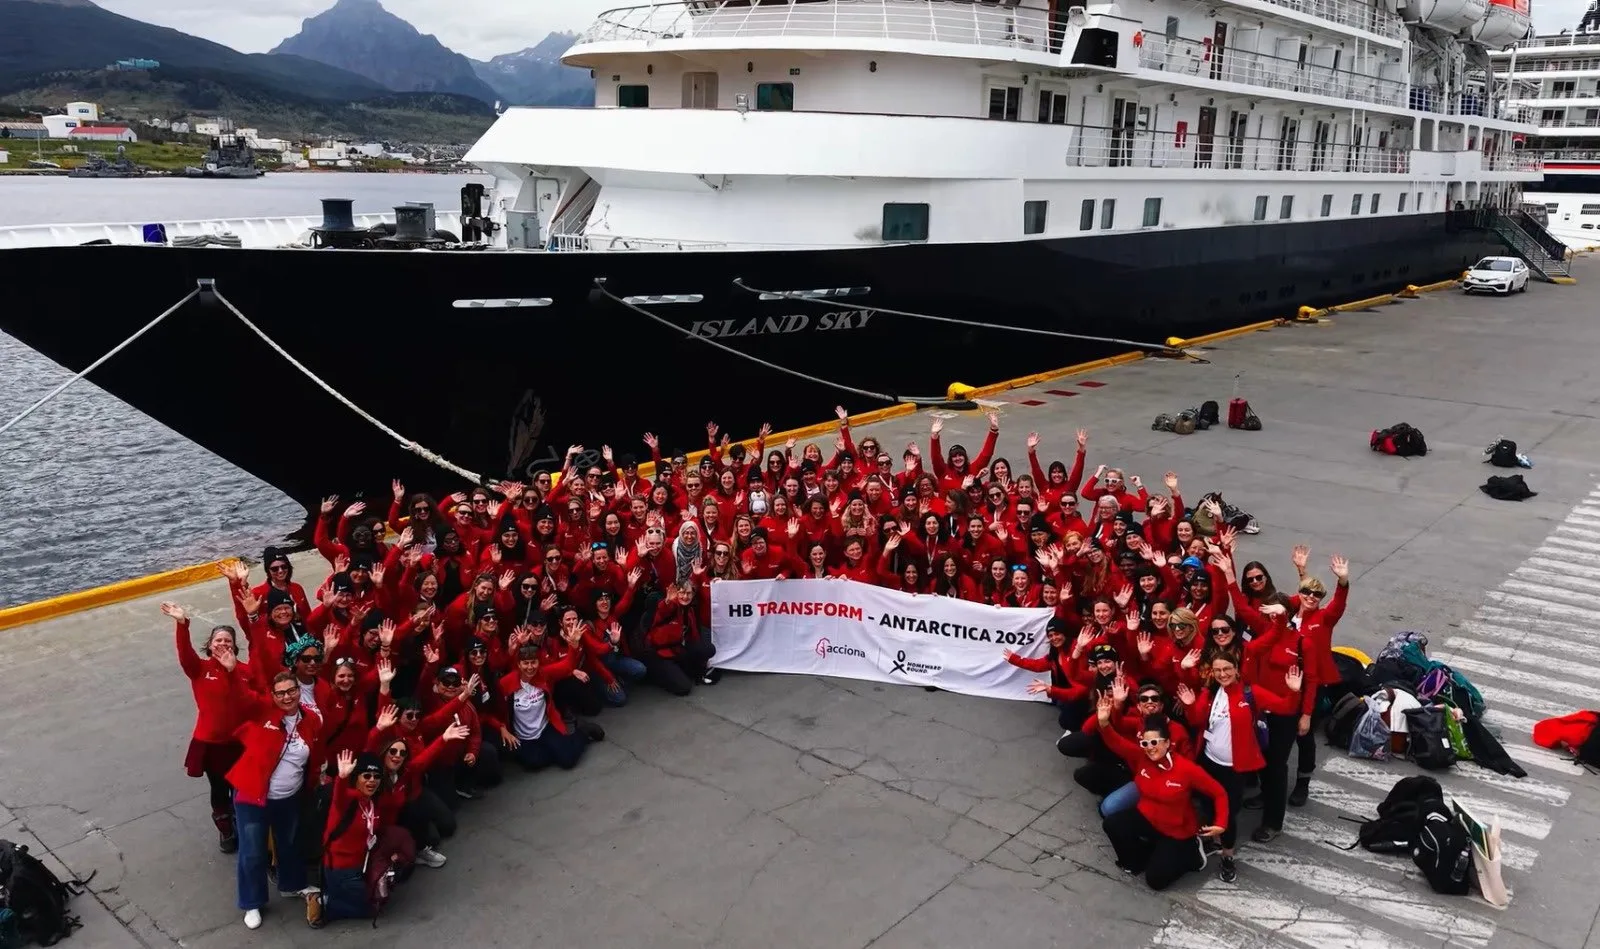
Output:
x=1157 y=838
x=363 y=851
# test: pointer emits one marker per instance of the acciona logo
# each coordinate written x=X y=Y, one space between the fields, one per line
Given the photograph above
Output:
x=826 y=648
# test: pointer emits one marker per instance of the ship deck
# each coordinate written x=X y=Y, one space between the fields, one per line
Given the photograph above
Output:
x=801 y=811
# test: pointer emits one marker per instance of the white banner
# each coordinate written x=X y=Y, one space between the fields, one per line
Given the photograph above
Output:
x=859 y=631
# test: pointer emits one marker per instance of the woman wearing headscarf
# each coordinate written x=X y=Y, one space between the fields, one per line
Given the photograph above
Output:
x=212 y=747
x=280 y=763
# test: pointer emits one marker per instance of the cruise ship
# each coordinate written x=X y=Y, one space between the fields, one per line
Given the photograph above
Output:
x=778 y=206
x=1556 y=78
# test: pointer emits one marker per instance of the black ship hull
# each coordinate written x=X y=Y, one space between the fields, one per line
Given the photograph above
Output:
x=503 y=390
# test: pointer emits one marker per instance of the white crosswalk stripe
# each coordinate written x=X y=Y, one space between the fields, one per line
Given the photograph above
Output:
x=1532 y=649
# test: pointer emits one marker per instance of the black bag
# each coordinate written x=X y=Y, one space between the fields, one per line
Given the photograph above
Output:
x=1444 y=852
x=1507 y=488
x=1354 y=678
x=1487 y=750
x=1340 y=725
x=1502 y=454
x=1251 y=421
x=1401 y=439
x=1429 y=743
x=1394 y=830
x=35 y=896
x=1210 y=413
x=1589 y=751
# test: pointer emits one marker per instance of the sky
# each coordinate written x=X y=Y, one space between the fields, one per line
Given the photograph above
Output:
x=479 y=28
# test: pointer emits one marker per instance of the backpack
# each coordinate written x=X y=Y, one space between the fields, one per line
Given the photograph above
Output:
x=1429 y=744
x=1400 y=439
x=1443 y=851
x=1507 y=488
x=1502 y=454
x=1210 y=413
x=1354 y=679
x=1340 y=725
x=36 y=898
x=1435 y=684
x=1460 y=692
x=1394 y=830
x=1263 y=736
x=1184 y=424
x=1163 y=423
x=1249 y=421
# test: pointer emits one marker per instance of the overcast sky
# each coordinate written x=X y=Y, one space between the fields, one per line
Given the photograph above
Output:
x=479 y=28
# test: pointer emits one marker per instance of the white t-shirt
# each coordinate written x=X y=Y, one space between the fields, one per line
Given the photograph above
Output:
x=1219 y=730
x=528 y=715
x=290 y=774
x=308 y=695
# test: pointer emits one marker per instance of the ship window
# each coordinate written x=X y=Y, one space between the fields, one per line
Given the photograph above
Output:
x=1033 y=216
x=1589 y=209
x=1374 y=203
x=776 y=97
x=1355 y=204
x=1108 y=213
x=1005 y=102
x=1152 y=212
x=1261 y=207
x=1172 y=27
x=1086 y=216
x=1327 y=205
x=633 y=97
x=1402 y=207
x=1286 y=207
x=1052 y=107
x=905 y=222
x=1551 y=208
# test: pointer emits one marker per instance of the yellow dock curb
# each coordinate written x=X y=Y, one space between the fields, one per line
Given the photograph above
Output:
x=111 y=593
x=1564 y=281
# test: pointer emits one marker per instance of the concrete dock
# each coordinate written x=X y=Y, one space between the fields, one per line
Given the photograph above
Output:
x=801 y=812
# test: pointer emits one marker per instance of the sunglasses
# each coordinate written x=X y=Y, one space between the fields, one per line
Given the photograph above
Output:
x=1255 y=578
x=278 y=568
x=420 y=509
x=308 y=658
x=1181 y=625
x=411 y=715
x=398 y=753
x=478 y=651
x=1222 y=629
x=1149 y=698
x=1312 y=594
x=1150 y=742
x=344 y=661
x=483 y=501
x=554 y=558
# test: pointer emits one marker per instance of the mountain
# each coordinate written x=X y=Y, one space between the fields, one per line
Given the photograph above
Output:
x=362 y=37
x=39 y=37
x=535 y=76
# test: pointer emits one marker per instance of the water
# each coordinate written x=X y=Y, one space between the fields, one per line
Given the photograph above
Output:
x=96 y=491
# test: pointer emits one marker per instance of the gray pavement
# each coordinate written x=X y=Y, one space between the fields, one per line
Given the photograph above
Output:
x=796 y=811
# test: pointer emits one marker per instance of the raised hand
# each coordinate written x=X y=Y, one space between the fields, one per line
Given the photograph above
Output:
x=1102 y=709
x=507 y=578
x=250 y=602
x=386 y=631
x=1132 y=619
x=1119 y=690
x=1301 y=556
x=377 y=574
x=766 y=428
x=937 y=427
x=1191 y=659
x=1340 y=567
x=386 y=672
x=456 y=732
x=1085 y=637
x=341 y=563
x=711 y=431
x=1225 y=538
x=1146 y=643
x=1294 y=678
x=399 y=489
x=356 y=509
x=1124 y=595
x=1185 y=694
x=651 y=442
x=430 y=655
x=474 y=683
x=994 y=421
x=1170 y=479
x=175 y=611
x=1033 y=440
x=329 y=503
x=605 y=452
x=1083 y=438
x=347 y=763
x=1038 y=686
x=387 y=717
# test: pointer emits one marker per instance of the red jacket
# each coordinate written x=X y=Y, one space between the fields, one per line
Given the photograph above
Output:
x=218 y=708
x=348 y=851
x=1167 y=788
x=1247 y=755
x=263 y=738
x=549 y=674
x=344 y=721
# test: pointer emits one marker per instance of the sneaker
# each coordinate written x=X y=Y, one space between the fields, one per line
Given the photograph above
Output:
x=711 y=677
x=1129 y=871
x=229 y=844
x=1200 y=849
x=468 y=794
x=1230 y=871
x=430 y=857
x=314 y=910
x=252 y=919
x=1064 y=736
x=386 y=884
x=1301 y=792
x=1265 y=835
x=301 y=893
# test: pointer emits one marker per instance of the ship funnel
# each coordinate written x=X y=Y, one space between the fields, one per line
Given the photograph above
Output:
x=411 y=223
x=338 y=214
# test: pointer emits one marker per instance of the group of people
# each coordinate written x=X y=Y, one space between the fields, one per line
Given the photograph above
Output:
x=453 y=637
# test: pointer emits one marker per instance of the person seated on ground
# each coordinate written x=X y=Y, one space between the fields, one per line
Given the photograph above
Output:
x=1105 y=773
x=1158 y=838
x=536 y=733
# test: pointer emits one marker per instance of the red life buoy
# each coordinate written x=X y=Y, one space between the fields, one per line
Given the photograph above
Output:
x=1138 y=38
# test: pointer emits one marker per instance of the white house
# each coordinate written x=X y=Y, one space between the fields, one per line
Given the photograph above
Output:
x=369 y=150
x=59 y=126
x=103 y=133
x=210 y=129
x=84 y=111
x=5 y=157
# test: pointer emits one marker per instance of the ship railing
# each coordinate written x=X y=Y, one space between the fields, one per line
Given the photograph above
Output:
x=1562 y=94
x=1102 y=147
x=1362 y=16
x=1513 y=161
x=1564 y=154
x=1556 y=65
x=1567 y=39
x=1584 y=123
x=1197 y=58
x=620 y=243
x=255 y=232
x=1012 y=25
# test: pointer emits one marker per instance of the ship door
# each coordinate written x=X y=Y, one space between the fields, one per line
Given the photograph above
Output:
x=1219 y=42
x=1205 y=134
x=1124 y=119
x=1238 y=127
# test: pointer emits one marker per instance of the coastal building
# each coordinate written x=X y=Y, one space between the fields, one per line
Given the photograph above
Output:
x=59 y=126
x=103 y=133
x=83 y=111
x=23 y=130
x=5 y=157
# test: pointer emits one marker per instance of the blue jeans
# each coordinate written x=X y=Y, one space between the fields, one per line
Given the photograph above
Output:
x=252 y=823
x=344 y=895
x=1120 y=800
x=551 y=747
x=625 y=667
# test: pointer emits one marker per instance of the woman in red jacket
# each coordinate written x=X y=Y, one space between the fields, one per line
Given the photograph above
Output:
x=212 y=748
x=1224 y=717
x=1158 y=837
x=281 y=761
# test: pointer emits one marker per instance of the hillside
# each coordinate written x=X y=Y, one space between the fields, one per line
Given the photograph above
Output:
x=39 y=37
x=438 y=118
x=535 y=76
x=362 y=37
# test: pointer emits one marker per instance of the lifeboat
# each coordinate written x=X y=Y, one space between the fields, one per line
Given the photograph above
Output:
x=1450 y=16
x=1506 y=22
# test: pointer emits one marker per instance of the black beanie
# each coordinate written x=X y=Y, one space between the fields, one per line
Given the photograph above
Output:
x=367 y=762
x=540 y=513
x=508 y=523
x=277 y=597
x=273 y=555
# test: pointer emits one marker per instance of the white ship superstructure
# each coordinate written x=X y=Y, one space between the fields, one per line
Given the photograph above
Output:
x=850 y=123
x=1556 y=78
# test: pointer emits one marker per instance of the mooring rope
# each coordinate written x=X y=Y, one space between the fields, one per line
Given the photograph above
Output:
x=101 y=361
x=404 y=442
x=600 y=284
x=836 y=302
